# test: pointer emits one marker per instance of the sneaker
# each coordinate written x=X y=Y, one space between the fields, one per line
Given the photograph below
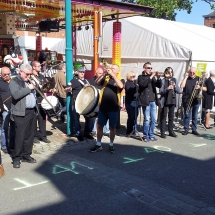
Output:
x=153 y=139
x=96 y=148
x=5 y=151
x=146 y=139
x=111 y=149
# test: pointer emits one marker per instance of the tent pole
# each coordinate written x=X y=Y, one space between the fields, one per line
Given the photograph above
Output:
x=96 y=41
x=69 y=63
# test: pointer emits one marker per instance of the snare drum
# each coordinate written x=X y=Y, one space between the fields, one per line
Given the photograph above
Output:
x=87 y=102
x=48 y=109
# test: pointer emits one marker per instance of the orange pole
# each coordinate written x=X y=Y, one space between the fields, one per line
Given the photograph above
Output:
x=96 y=41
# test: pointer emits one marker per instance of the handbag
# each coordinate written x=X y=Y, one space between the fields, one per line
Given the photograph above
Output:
x=158 y=102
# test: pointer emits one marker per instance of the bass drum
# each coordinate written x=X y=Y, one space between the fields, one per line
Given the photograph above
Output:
x=53 y=110
x=87 y=102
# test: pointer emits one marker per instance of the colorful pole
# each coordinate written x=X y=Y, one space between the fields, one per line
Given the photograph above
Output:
x=69 y=62
x=96 y=41
x=116 y=50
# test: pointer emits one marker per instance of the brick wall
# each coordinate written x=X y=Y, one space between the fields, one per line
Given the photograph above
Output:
x=209 y=22
x=60 y=34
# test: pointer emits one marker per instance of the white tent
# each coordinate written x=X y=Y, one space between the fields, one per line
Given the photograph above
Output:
x=164 y=43
x=29 y=43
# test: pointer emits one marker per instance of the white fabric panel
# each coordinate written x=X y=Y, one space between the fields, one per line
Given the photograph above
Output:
x=29 y=42
x=199 y=39
x=139 y=42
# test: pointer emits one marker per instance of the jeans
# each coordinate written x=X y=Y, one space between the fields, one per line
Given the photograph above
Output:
x=4 y=131
x=106 y=127
x=88 y=123
x=194 y=111
x=150 y=118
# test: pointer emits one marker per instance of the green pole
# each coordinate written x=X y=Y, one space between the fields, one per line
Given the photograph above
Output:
x=69 y=62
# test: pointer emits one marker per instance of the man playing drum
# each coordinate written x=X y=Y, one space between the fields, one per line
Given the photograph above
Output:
x=109 y=103
x=78 y=83
x=99 y=73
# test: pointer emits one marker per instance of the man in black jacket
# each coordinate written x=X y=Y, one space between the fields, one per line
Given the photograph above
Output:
x=41 y=117
x=77 y=84
x=6 y=121
x=148 y=99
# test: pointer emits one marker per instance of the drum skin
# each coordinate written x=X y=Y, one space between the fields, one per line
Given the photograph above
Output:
x=87 y=101
x=47 y=107
x=52 y=99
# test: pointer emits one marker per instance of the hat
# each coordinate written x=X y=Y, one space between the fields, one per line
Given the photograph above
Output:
x=81 y=69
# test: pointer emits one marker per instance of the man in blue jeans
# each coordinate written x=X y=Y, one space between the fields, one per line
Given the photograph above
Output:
x=148 y=99
x=190 y=86
x=7 y=123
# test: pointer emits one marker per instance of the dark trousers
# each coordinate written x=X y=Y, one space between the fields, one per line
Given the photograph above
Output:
x=131 y=118
x=24 y=127
x=41 y=118
x=89 y=123
x=170 y=110
x=63 y=107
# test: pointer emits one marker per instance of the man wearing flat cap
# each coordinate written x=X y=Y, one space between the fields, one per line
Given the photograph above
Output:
x=78 y=82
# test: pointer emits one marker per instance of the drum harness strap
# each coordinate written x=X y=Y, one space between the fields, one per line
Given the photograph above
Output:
x=107 y=79
x=82 y=83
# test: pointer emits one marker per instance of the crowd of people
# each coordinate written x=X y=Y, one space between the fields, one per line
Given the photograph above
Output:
x=21 y=109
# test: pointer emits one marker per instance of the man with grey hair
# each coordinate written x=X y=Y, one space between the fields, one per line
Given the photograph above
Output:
x=23 y=112
x=190 y=86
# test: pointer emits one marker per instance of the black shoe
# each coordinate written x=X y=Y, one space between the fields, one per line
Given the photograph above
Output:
x=96 y=148
x=173 y=134
x=80 y=138
x=111 y=149
x=16 y=164
x=195 y=133
x=185 y=133
x=5 y=151
x=36 y=140
x=163 y=135
x=29 y=160
x=88 y=136
x=45 y=140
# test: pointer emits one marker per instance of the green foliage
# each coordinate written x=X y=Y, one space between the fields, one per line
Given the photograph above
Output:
x=165 y=9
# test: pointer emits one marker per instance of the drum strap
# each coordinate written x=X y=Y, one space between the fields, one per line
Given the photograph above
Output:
x=107 y=79
x=82 y=83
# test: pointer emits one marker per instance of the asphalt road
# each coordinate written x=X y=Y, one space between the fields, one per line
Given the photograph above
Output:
x=170 y=176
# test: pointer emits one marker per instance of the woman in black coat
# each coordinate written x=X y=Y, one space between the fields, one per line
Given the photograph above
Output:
x=208 y=98
x=131 y=90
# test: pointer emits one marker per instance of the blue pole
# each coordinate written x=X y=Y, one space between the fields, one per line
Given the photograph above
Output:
x=69 y=62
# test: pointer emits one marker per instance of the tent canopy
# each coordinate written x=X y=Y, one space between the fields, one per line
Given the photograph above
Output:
x=167 y=43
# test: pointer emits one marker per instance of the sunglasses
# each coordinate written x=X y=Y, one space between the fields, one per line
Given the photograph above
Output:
x=148 y=67
x=133 y=76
